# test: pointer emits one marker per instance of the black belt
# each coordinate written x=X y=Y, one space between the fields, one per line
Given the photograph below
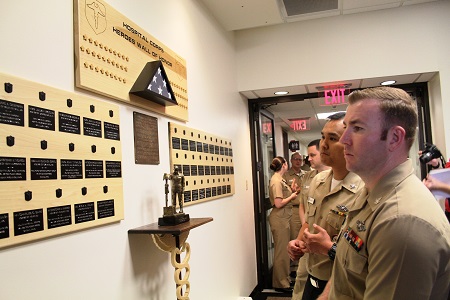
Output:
x=317 y=283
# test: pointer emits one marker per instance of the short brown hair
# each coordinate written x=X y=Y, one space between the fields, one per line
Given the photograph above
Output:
x=397 y=106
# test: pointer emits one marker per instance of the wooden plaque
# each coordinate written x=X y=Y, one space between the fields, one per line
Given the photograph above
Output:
x=60 y=162
x=146 y=145
x=205 y=160
x=111 y=51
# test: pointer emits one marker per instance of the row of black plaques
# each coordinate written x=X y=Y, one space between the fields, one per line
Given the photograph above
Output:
x=209 y=192
x=190 y=145
x=15 y=168
x=12 y=113
x=203 y=170
x=30 y=221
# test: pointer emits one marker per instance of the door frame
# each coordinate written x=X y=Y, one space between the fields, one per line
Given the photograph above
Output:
x=257 y=106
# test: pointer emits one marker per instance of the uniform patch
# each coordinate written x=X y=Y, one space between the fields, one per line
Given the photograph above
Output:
x=354 y=240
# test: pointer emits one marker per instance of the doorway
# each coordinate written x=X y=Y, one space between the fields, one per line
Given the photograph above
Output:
x=264 y=127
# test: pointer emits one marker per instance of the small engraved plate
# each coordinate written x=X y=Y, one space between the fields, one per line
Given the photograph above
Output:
x=69 y=123
x=4 y=226
x=199 y=147
x=28 y=221
x=13 y=168
x=201 y=170
x=12 y=113
x=187 y=196
x=92 y=127
x=84 y=212
x=194 y=170
x=194 y=195
x=146 y=146
x=184 y=144
x=113 y=169
x=112 y=131
x=192 y=146
x=176 y=143
x=41 y=118
x=43 y=168
x=71 y=169
x=105 y=209
x=186 y=170
x=93 y=169
x=59 y=216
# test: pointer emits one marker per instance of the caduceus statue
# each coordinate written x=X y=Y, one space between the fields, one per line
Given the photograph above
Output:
x=177 y=188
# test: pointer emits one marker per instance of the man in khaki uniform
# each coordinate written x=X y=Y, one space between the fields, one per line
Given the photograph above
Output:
x=330 y=194
x=295 y=173
x=317 y=167
x=395 y=243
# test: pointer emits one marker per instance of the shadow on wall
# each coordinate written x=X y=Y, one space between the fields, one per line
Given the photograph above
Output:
x=149 y=265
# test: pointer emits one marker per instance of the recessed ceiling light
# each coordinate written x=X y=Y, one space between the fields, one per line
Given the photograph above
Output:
x=281 y=93
x=388 y=82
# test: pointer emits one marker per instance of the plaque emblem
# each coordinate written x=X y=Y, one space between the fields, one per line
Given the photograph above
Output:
x=96 y=15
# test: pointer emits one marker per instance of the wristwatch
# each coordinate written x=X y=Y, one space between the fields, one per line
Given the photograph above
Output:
x=332 y=252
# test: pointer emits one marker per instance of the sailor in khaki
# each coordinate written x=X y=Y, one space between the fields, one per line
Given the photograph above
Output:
x=328 y=210
x=316 y=167
x=295 y=173
x=330 y=194
x=395 y=243
x=406 y=233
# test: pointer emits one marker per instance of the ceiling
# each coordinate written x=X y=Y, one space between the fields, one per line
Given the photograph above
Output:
x=244 y=14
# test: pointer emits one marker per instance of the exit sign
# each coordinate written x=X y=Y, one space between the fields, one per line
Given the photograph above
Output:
x=300 y=124
x=334 y=97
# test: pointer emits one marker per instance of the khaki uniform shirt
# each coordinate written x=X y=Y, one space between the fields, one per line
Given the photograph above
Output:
x=279 y=189
x=289 y=176
x=395 y=243
x=328 y=209
x=307 y=178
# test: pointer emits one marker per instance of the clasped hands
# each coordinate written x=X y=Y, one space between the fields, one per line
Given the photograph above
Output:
x=307 y=242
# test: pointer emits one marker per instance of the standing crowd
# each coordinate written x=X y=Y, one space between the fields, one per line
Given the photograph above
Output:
x=355 y=226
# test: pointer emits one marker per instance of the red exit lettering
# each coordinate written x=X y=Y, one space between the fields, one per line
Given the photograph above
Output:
x=334 y=97
x=267 y=128
x=300 y=125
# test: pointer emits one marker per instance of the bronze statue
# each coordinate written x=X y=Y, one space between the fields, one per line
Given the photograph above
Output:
x=171 y=217
x=177 y=184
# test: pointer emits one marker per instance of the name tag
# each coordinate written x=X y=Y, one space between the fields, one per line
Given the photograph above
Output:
x=311 y=200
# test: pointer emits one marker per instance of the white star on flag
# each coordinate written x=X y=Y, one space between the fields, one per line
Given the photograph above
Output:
x=160 y=86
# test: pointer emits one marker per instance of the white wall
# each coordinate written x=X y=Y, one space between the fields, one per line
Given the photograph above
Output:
x=406 y=40
x=105 y=262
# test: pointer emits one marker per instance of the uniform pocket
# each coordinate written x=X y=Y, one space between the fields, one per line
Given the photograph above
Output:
x=335 y=220
x=355 y=262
